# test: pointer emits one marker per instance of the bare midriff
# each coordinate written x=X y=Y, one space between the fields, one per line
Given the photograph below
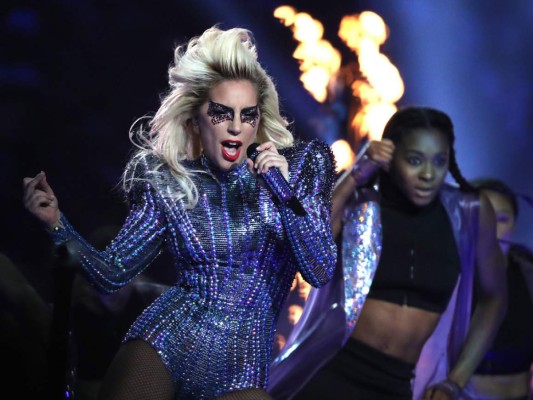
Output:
x=396 y=330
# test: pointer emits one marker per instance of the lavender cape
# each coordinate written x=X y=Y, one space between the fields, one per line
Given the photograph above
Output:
x=331 y=312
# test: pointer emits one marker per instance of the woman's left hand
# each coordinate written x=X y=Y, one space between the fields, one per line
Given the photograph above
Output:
x=445 y=390
x=268 y=158
x=436 y=394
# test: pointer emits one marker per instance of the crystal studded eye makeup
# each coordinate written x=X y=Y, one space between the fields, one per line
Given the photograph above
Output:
x=219 y=113
x=250 y=115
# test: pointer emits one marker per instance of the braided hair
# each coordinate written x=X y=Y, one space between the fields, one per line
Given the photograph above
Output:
x=410 y=118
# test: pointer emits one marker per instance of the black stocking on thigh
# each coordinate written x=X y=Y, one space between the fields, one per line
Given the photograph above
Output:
x=137 y=373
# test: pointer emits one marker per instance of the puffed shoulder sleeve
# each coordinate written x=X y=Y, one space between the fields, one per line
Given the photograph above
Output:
x=139 y=241
x=312 y=175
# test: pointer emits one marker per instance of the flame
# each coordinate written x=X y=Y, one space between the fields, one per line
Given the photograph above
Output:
x=365 y=29
x=319 y=60
x=285 y=14
x=371 y=119
x=379 y=85
x=344 y=156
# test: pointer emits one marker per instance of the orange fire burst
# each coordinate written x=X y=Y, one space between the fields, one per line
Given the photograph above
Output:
x=319 y=60
x=378 y=85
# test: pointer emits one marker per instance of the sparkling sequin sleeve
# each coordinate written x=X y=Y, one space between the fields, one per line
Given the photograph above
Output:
x=310 y=236
x=137 y=244
x=331 y=312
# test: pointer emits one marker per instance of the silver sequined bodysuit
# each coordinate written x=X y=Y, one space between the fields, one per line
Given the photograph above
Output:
x=236 y=254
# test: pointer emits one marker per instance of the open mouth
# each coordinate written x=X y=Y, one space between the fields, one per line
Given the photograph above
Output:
x=424 y=192
x=231 y=149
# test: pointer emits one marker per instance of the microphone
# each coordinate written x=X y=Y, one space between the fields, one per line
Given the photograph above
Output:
x=277 y=184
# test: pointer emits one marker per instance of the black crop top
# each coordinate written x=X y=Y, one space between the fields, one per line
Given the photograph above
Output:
x=419 y=264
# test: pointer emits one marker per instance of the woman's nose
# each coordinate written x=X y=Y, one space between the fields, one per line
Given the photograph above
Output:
x=428 y=172
x=234 y=126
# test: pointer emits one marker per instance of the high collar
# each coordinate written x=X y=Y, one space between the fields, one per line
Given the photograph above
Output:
x=219 y=174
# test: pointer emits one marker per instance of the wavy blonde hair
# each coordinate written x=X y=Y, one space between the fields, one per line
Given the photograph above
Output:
x=199 y=65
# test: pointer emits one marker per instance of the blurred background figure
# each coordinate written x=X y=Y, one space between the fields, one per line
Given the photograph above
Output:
x=505 y=372
x=24 y=325
x=97 y=323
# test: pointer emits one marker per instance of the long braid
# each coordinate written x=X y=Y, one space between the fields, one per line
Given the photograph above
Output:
x=455 y=172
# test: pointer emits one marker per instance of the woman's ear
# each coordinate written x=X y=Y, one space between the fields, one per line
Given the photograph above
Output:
x=194 y=124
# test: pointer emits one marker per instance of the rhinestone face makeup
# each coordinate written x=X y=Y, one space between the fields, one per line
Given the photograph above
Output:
x=250 y=116
x=220 y=113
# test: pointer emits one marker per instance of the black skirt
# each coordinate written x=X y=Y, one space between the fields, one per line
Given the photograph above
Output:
x=361 y=372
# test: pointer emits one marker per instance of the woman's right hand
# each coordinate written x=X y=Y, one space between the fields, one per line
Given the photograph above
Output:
x=377 y=155
x=39 y=199
x=381 y=151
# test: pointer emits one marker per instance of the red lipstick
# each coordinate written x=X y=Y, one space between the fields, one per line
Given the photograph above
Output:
x=231 y=149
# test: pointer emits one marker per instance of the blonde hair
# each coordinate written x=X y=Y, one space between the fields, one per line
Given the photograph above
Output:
x=205 y=61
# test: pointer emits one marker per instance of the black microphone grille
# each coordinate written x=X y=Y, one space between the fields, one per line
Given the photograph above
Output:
x=252 y=152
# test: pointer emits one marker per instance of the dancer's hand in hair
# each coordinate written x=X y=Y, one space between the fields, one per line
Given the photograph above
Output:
x=381 y=151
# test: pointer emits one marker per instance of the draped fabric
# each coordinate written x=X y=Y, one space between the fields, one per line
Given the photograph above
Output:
x=442 y=349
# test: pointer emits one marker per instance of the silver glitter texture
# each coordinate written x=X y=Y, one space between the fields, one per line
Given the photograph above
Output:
x=236 y=254
x=361 y=249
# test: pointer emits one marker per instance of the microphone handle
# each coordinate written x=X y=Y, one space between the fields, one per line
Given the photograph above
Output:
x=278 y=184
x=282 y=190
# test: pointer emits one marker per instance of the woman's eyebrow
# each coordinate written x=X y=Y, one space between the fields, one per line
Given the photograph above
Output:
x=418 y=152
x=421 y=153
x=214 y=103
x=252 y=108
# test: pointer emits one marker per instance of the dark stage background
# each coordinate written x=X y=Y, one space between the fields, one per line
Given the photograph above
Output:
x=75 y=74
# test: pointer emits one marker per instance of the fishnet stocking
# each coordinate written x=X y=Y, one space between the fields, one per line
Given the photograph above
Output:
x=137 y=373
